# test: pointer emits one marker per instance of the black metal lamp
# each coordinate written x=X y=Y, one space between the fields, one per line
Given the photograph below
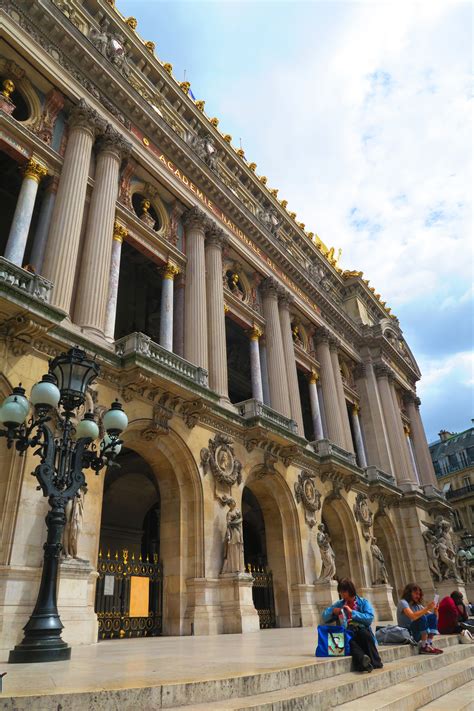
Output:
x=60 y=476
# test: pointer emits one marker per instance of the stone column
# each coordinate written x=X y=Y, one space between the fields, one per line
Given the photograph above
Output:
x=341 y=398
x=376 y=438
x=195 y=313
x=20 y=227
x=255 y=370
x=331 y=406
x=397 y=443
x=217 y=347
x=277 y=379
x=44 y=222
x=412 y=478
x=359 y=442
x=167 y=302
x=264 y=370
x=407 y=431
x=420 y=445
x=92 y=286
x=111 y=309
x=178 y=316
x=64 y=236
x=315 y=410
x=291 y=374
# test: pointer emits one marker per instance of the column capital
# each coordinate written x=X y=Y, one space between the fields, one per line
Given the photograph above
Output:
x=111 y=141
x=254 y=333
x=226 y=309
x=195 y=217
x=412 y=399
x=313 y=377
x=360 y=371
x=407 y=430
x=269 y=286
x=215 y=235
x=322 y=335
x=170 y=270
x=333 y=343
x=34 y=170
x=285 y=299
x=355 y=408
x=120 y=232
x=83 y=116
x=382 y=371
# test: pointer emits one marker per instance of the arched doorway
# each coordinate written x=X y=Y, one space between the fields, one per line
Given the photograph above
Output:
x=339 y=521
x=129 y=591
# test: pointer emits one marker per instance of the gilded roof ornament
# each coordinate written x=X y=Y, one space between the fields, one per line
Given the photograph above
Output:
x=310 y=235
x=273 y=191
x=252 y=167
x=292 y=215
x=168 y=67
x=240 y=152
x=227 y=137
x=348 y=274
x=132 y=23
x=184 y=86
x=214 y=121
x=150 y=46
x=263 y=179
x=200 y=104
x=283 y=203
x=301 y=224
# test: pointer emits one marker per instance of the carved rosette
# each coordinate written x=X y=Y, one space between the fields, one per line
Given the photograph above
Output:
x=219 y=457
x=307 y=494
x=364 y=515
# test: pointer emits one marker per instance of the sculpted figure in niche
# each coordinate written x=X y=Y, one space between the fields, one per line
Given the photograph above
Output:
x=234 y=541
x=380 y=570
x=73 y=527
x=235 y=285
x=295 y=330
x=328 y=557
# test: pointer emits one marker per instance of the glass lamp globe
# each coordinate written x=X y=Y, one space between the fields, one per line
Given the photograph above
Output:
x=18 y=395
x=108 y=441
x=12 y=414
x=87 y=427
x=45 y=393
x=115 y=420
x=74 y=372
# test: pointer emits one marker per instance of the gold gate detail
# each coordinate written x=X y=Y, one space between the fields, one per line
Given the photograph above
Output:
x=129 y=596
x=262 y=593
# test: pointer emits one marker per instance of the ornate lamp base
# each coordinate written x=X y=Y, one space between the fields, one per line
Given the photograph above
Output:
x=54 y=650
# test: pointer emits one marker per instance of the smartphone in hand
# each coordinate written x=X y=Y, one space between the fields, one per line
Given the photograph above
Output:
x=436 y=600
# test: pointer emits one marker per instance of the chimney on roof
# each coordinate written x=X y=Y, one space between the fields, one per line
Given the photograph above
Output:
x=444 y=435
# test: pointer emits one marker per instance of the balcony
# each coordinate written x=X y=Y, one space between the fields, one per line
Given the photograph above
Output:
x=459 y=493
x=15 y=279
x=253 y=409
x=326 y=448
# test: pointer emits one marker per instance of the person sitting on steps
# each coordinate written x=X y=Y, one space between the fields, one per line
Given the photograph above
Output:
x=420 y=620
x=358 y=614
x=453 y=614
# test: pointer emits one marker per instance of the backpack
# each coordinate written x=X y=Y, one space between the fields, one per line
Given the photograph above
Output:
x=393 y=634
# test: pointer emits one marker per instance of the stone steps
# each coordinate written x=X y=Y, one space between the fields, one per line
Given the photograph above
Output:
x=352 y=691
x=461 y=699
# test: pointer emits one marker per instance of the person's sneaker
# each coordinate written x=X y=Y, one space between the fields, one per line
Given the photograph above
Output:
x=426 y=649
x=366 y=663
x=437 y=650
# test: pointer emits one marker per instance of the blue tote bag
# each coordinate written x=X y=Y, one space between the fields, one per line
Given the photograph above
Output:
x=333 y=641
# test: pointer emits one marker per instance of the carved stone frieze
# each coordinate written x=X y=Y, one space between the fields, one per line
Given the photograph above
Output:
x=269 y=219
x=364 y=515
x=112 y=46
x=204 y=147
x=307 y=494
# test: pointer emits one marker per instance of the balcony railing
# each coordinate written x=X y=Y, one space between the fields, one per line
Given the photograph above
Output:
x=326 y=448
x=253 y=409
x=26 y=282
x=458 y=493
x=374 y=475
x=142 y=345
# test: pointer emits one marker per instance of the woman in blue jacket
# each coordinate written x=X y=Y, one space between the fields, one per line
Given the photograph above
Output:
x=357 y=613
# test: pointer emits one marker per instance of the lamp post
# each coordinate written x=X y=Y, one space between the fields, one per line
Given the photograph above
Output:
x=60 y=476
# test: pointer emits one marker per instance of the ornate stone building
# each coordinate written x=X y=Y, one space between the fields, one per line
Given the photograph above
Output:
x=275 y=441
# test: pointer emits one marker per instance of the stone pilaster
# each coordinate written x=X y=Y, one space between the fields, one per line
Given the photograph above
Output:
x=178 y=316
x=420 y=445
x=111 y=309
x=44 y=222
x=315 y=409
x=195 y=312
x=291 y=374
x=277 y=379
x=411 y=452
x=217 y=349
x=20 y=227
x=92 y=287
x=331 y=405
x=376 y=437
x=359 y=441
x=64 y=236
x=255 y=369
x=167 y=306
x=341 y=398
x=412 y=477
x=264 y=370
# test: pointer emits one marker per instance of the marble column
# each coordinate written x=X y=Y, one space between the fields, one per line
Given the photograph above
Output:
x=20 y=227
x=92 y=286
x=277 y=378
x=315 y=409
x=335 y=430
x=291 y=374
x=359 y=442
x=255 y=369
x=167 y=303
x=195 y=312
x=420 y=445
x=397 y=444
x=407 y=431
x=264 y=370
x=376 y=438
x=217 y=347
x=178 y=316
x=120 y=233
x=44 y=222
x=64 y=236
x=341 y=398
x=412 y=478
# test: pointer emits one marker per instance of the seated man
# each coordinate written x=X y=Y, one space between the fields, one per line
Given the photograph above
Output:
x=452 y=614
x=420 y=620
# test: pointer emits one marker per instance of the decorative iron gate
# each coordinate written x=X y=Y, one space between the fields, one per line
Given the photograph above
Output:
x=129 y=596
x=262 y=593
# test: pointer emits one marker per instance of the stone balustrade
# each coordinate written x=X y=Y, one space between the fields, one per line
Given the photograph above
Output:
x=253 y=409
x=26 y=282
x=326 y=448
x=374 y=475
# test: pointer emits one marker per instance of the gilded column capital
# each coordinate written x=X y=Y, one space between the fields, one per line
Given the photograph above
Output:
x=254 y=333
x=407 y=430
x=83 y=116
x=215 y=236
x=111 y=141
x=195 y=217
x=270 y=287
x=34 y=170
x=355 y=408
x=313 y=377
x=226 y=309
x=170 y=271
x=120 y=232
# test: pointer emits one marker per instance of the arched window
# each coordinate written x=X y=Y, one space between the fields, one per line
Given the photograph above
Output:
x=145 y=210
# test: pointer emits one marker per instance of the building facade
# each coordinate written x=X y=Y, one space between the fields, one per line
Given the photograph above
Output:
x=271 y=395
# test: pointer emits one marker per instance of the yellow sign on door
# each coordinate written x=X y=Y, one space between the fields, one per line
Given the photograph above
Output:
x=139 y=596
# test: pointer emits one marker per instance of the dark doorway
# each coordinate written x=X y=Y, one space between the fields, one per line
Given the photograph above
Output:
x=305 y=405
x=238 y=362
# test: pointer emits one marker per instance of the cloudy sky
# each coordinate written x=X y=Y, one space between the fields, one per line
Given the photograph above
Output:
x=360 y=114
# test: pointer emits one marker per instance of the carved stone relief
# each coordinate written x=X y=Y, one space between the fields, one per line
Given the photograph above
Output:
x=363 y=515
x=220 y=459
x=307 y=494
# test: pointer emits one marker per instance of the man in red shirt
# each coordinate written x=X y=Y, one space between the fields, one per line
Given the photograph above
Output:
x=451 y=614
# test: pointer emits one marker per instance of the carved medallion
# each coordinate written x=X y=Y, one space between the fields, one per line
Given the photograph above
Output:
x=363 y=515
x=307 y=494
x=220 y=458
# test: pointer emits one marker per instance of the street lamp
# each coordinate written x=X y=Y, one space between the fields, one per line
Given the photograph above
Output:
x=59 y=475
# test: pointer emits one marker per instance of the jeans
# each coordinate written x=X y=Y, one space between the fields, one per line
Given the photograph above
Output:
x=426 y=623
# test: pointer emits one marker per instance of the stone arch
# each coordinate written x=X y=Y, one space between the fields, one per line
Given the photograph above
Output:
x=342 y=528
x=283 y=540
x=177 y=478
x=386 y=535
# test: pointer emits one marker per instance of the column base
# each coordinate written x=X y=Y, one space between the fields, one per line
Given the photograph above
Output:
x=238 y=611
x=203 y=614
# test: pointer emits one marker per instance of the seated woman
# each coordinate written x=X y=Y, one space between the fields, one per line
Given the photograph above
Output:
x=359 y=615
x=422 y=621
x=452 y=614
